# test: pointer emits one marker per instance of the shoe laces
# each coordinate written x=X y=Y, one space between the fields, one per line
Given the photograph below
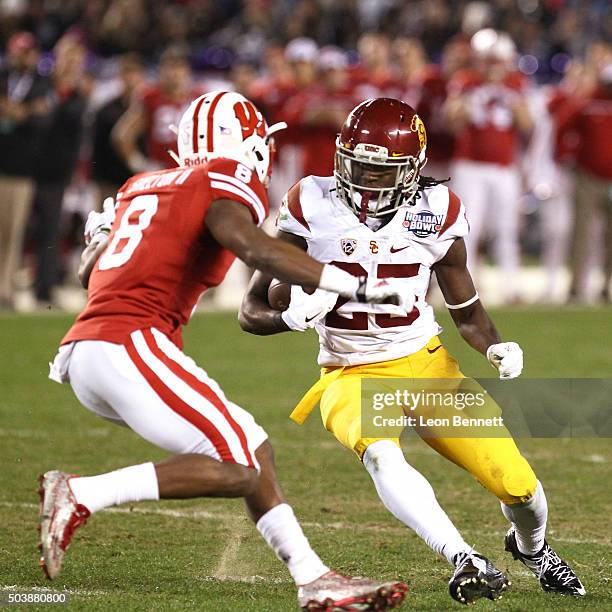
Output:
x=461 y=558
x=550 y=561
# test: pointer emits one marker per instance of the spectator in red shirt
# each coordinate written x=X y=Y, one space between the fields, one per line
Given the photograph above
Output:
x=289 y=74
x=547 y=180
x=425 y=89
x=373 y=77
x=487 y=112
x=151 y=115
x=410 y=64
x=320 y=110
x=590 y=121
x=301 y=53
x=277 y=83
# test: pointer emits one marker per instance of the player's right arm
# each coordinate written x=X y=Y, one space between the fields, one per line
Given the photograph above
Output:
x=470 y=316
x=130 y=127
x=97 y=230
x=231 y=224
x=256 y=316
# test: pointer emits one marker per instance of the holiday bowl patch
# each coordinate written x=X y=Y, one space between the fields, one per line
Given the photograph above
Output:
x=423 y=224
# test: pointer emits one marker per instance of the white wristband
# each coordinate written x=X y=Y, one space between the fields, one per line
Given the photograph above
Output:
x=463 y=304
x=337 y=280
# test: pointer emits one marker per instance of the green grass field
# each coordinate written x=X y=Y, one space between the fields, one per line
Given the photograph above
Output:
x=204 y=554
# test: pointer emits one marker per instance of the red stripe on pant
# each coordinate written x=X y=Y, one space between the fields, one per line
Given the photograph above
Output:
x=200 y=387
x=176 y=404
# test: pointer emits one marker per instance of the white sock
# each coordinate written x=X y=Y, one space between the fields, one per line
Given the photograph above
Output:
x=130 y=484
x=281 y=530
x=529 y=521
x=409 y=497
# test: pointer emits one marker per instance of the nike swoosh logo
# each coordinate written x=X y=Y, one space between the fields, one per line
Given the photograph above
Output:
x=433 y=350
x=309 y=319
x=394 y=250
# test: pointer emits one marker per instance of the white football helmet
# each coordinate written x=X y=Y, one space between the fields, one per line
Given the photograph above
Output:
x=226 y=124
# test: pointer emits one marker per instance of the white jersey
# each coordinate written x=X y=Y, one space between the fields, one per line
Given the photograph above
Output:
x=406 y=248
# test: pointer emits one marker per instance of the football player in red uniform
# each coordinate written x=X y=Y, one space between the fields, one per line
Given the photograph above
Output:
x=175 y=234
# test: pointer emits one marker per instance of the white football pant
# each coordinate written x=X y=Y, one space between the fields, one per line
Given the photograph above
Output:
x=152 y=387
x=491 y=196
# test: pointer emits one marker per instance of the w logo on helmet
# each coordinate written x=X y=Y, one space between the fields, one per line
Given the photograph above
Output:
x=250 y=119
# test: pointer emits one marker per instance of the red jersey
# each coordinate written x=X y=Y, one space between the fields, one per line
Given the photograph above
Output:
x=270 y=95
x=590 y=122
x=317 y=139
x=161 y=112
x=160 y=257
x=490 y=135
x=561 y=106
x=432 y=95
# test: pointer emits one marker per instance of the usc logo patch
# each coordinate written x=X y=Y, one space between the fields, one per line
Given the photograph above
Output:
x=417 y=125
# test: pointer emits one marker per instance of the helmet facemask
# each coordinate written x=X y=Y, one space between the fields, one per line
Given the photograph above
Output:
x=368 y=176
x=260 y=151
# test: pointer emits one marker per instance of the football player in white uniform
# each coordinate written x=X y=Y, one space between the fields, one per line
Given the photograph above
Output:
x=378 y=216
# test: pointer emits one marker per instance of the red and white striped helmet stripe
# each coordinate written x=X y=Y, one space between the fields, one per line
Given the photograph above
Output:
x=209 y=123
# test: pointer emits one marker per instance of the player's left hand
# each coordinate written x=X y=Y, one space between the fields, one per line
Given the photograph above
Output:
x=305 y=310
x=100 y=221
x=507 y=357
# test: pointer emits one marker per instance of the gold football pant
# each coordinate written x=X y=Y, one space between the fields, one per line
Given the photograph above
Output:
x=495 y=462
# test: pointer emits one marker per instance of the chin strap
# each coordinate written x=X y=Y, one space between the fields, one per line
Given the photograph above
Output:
x=363 y=210
x=174 y=156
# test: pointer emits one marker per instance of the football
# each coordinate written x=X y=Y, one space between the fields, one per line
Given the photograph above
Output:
x=279 y=295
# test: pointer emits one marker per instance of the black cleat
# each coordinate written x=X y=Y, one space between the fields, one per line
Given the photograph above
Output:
x=554 y=574
x=476 y=577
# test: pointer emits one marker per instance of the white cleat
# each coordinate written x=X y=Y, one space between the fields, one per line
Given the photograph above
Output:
x=334 y=592
x=60 y=515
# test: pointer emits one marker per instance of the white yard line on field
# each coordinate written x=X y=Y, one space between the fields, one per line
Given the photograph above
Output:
x=229 y=556
x=247 y=579
x=236 y=519
x=39 y=434
x=38 y=589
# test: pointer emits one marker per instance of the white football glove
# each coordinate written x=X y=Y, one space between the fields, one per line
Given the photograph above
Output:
x=507 y=357
x=305 y=310
x=379 y=291
x=385 y=291
x=98 y=222
x=360 y=289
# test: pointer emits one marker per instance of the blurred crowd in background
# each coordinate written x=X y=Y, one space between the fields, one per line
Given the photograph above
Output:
x=516 y=96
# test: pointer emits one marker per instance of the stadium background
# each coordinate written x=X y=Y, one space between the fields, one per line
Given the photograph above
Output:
x=90 y=62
